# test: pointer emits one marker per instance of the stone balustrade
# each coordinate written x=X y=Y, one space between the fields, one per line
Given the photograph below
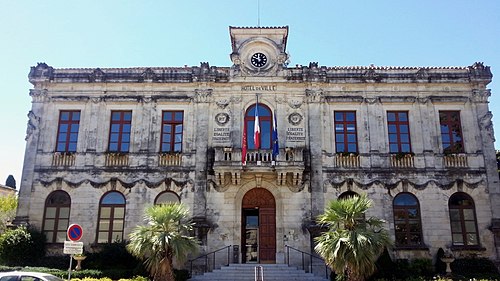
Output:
x=167 y=159
x=455 y=160
x=63 y=159
x=402 y=160
x=264 y=157
x=347 y=160
x=116 y=159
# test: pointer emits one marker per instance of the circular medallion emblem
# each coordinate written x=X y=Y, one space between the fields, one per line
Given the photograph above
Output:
x=221 y=118
x=295 y=118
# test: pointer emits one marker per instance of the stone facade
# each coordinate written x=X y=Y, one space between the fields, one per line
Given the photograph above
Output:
x=208 y=175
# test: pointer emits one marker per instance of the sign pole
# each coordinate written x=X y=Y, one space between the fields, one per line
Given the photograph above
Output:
x=70 y=265
x=74 y=234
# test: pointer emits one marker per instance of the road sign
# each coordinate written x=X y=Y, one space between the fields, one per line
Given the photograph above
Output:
x=73 y=248
x=75 y=232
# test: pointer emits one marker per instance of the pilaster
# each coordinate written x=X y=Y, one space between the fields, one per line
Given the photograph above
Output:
x=202 y=101
x=315 y=98
x=39 y=96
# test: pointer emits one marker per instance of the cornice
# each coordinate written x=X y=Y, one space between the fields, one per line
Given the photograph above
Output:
x=476 y=73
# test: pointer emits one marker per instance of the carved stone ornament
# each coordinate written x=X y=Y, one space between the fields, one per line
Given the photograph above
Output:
x=315 y=96
x=203 y=95
x=423 y=100
x=295 y=118
x=38 y=95
x=97 y=76
x=486 y=125
x=294 y=103
x=148 y=75
x=221 y=118
x=33 y=123
x=222 y=103
x=236 y=99
x=372 y=100
x=481 y=95
x=422 y=74
x=114 y=183
x=372 y=76
x=280 y=100
x=338 y=183
x=147 y=99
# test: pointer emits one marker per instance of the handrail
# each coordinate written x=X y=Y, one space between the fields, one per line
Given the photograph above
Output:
x=311 y=257
x=259 y=273
x=206 y=256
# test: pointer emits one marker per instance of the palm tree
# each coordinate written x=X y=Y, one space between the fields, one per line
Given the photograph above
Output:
x=352 y=243
x=163 y=237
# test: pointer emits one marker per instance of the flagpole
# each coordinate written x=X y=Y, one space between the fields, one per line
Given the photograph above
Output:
x=256 y=130
x=275 y=142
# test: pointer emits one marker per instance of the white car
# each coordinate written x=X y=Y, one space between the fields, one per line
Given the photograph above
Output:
x=27 y=276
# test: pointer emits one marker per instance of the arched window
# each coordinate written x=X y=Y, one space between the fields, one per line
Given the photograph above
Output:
x=111 y=217
x=407 y=222
x=463 y=220
x=56 y=216
x=167 y=197
x=347 y=195
x=266 y=126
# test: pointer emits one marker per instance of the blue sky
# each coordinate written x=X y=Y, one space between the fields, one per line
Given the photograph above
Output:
x=175 y=33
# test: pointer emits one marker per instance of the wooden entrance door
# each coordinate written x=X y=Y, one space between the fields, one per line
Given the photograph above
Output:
x=262 y=200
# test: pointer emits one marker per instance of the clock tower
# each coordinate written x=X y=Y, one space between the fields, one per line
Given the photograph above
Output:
x=258 y=51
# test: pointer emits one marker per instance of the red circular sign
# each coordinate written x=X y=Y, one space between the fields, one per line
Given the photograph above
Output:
x=75 y=232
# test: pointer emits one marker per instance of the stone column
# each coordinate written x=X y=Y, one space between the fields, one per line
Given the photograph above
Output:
x=39 y=96
x=315 y=98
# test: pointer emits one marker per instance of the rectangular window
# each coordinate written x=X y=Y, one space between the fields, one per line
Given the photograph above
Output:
x=171 y=131
x=398 y=128
x=451 y=132
x=67 y=132
x=119 y=132
x=346 y=136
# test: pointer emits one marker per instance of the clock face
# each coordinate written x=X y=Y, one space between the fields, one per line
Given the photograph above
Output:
x=258 y=59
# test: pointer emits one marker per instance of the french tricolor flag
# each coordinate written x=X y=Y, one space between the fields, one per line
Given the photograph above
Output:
x=256 y=126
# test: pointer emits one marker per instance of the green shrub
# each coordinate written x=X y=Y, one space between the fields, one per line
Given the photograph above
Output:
x=181 y=274
x=403 y=269
x=112 y=256
x=384 y=265
x=59 y=262
x=136 y=278
x=440 y=266
x=118 y=273
x=21 y=246
x=422 y=268
x=475 y=268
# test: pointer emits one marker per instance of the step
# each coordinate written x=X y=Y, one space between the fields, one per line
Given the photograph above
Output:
x=246 y=272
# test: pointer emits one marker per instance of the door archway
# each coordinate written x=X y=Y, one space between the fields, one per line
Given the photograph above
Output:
x=258 y=226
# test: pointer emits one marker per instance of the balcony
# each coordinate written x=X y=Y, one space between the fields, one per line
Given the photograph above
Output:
x=347 y=160
x=402 y=160
x=64 y=159
x=287 y=168
x=116 y=159
x=169 y=159
x=455 y=161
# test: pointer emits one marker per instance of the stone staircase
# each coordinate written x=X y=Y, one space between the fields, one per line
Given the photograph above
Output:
x=246 y=272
